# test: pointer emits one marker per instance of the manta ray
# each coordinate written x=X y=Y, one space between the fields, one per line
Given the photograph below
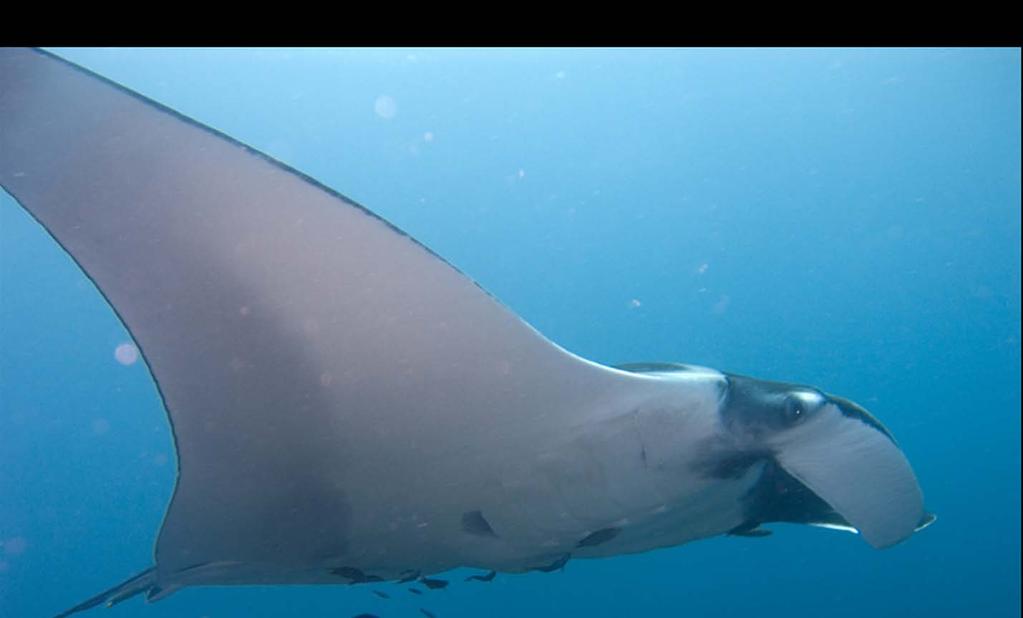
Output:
x=348 y=407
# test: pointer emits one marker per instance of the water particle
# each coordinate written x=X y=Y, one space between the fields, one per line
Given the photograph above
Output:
x=15 y=546
x=428 y=136
x=635 y=303
x=100 y=426
x=385 y=107
x=126 y=353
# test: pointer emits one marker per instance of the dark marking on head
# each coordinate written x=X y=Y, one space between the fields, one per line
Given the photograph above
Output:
x=482 y=578
x=851 y=409
x=600 y=536
x=557 y=565
x=381 y=594
x=758 y=406
x=473 y=522
x=433 y=584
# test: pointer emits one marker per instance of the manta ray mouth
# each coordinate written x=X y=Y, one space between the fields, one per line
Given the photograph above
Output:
x=780 y=497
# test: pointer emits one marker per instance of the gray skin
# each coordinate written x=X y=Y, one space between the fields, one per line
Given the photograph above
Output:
x=347 y=407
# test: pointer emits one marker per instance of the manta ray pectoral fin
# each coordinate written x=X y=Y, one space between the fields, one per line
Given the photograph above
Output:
x=144 y=582
x=299 y=342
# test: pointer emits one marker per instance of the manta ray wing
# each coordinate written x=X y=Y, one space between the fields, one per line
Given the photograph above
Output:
x=331 y=383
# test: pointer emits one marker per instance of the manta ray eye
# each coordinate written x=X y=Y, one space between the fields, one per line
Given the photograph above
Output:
x=795 y=409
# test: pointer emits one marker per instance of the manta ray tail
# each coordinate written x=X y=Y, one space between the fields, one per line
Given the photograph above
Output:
x=143 y=582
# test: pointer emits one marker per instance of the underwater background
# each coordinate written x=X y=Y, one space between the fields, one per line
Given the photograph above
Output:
x=844 y=218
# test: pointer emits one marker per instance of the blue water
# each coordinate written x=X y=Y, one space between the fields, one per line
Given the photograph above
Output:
x=843 y=218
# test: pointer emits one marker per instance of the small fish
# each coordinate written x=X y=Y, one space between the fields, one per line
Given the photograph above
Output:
x=365 y=616
x=482 y=578
x=554 y=566
x=408 y=576
x=428 y=613
x=415 y=591
x=433 y=584
x=381 y=594
x=754 y=532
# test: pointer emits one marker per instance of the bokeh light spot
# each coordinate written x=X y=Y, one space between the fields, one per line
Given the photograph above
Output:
x=126 y=353
x=385 y=107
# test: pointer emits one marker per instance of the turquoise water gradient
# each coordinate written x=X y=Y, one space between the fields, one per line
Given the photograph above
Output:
x=843 y=218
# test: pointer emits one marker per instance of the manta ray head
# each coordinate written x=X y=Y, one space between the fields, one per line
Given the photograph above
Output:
x=826 y=461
